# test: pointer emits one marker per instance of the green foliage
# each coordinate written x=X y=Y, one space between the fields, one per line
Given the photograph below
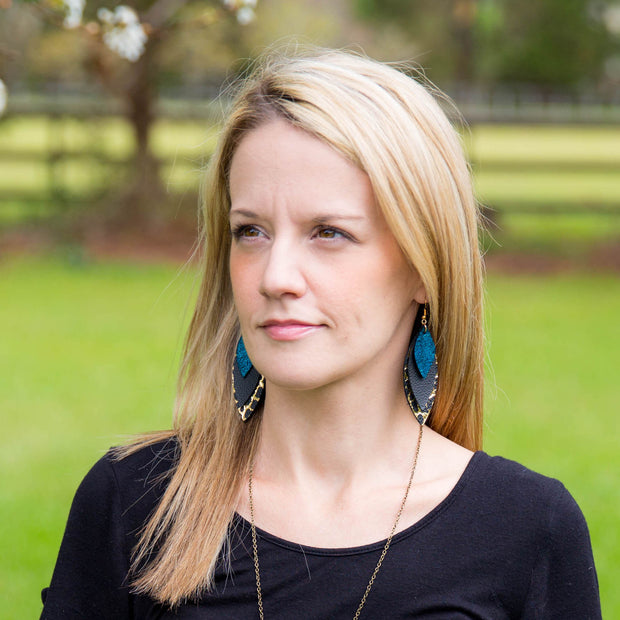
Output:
x=439 y=29
x=89 y=354
x=555 y=43
x=57 y=55
x=551 y=43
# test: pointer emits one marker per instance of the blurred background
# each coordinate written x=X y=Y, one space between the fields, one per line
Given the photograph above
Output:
x=108 y=115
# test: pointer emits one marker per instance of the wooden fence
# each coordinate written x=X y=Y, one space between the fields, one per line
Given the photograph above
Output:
x=51 y=193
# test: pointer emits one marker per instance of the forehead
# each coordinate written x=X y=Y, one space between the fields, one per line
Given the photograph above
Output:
x=278 y=165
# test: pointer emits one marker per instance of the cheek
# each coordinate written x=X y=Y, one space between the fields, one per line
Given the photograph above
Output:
x=382 y=280
x=244 y=281
x=351 y=295
x=386 y=291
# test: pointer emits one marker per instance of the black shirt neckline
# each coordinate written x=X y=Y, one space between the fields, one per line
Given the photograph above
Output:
x=372 y=547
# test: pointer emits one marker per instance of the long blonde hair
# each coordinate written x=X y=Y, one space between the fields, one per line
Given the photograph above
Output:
x=390 y=126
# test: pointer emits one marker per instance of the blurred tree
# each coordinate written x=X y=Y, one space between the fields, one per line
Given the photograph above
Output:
x=443 y=30
x=121 y=49
x=550 y=43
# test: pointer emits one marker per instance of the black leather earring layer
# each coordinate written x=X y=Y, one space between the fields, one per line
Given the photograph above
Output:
x=248 y=383
x=420 y=376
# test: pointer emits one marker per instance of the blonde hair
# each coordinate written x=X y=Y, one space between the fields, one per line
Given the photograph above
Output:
x=390 y=126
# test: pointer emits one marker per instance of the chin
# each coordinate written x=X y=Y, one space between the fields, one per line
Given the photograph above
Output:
x=298 y=377
x=306 y=377
x=294 y=382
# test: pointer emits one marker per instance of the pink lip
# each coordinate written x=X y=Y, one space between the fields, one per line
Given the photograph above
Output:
x=288 y=330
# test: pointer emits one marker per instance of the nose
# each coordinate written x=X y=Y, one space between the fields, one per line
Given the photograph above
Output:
x=283 y=274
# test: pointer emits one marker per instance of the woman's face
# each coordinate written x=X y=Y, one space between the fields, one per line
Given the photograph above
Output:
x=322 y=290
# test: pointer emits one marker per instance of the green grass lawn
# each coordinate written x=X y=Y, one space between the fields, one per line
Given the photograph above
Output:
x=527 y=144
x=89 y=354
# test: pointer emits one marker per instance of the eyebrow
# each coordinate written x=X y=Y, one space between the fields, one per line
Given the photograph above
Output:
x=242 y=212
x=325 y=219
x=318 y=219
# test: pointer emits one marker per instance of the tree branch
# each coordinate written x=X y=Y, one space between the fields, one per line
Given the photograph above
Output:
x=161 y=11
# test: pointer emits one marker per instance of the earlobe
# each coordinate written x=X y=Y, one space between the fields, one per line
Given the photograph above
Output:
x=419 y=295
x=416 y=285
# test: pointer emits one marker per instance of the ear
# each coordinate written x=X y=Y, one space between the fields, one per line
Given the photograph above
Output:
x=416 y=285
x=419 y=294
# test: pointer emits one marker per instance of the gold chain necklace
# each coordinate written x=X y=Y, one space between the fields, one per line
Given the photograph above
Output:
x=259 y=592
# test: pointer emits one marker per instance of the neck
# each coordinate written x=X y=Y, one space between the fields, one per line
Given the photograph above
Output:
x=337 y=433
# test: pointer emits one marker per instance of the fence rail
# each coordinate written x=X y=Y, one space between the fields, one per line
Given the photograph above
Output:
x=504 y=106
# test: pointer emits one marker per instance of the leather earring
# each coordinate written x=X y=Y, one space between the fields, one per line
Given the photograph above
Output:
x=248 y=383
x=420 y=373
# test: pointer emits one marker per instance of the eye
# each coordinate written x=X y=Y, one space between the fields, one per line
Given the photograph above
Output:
x=245 y=231
x=327 y=232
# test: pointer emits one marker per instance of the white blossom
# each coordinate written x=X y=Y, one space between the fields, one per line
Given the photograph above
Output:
x=612 y=19
x=105 y=15
x=245 y=15
x=123 y=32
x=244 y=9
x=3 y=97
x=74 y=9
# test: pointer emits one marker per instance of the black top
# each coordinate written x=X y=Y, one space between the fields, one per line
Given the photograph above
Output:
x=505 y=543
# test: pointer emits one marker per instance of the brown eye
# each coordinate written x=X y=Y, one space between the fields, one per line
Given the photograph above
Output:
x=245 y=231
x=329 y=233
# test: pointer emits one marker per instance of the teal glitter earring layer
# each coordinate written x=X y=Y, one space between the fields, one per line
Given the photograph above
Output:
x=420 y=376
x=245 y=365
x=248 y=384
x=424 y=352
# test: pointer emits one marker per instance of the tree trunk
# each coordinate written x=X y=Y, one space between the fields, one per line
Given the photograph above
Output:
x=463 y=18
x=142 y=200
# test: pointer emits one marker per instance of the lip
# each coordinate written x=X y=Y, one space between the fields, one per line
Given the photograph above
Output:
x=291 y=329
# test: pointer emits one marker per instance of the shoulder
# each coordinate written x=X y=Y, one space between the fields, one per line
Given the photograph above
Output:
x=134 y=480
x=109 y=509
x=536 y=519
x=506 y=477
x=494 y=491
x=523 y=498
x=142 y=465
x=138 y=467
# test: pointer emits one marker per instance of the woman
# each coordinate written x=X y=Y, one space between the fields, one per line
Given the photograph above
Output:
x=342 y=285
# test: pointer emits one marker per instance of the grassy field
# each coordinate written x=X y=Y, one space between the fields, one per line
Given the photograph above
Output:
x=89 y=354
